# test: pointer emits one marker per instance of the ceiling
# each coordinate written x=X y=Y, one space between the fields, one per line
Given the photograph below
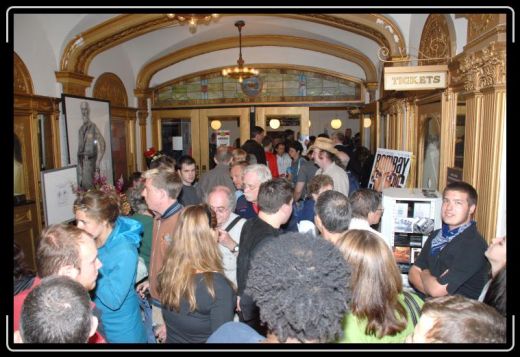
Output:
x=150 y=49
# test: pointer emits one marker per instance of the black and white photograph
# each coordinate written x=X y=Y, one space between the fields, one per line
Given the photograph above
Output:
x=58 y=187
x=89 y=138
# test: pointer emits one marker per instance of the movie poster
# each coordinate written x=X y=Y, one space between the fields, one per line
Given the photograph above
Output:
x=390 y=169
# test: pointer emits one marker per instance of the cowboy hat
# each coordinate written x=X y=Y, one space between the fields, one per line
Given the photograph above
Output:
x=324 y=144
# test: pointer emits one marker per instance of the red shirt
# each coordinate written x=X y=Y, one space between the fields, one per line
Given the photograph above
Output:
x=17 y=311
x=271 y=162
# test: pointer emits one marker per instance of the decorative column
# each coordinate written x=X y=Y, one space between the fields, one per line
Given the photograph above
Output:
x=447 y=143
x=142 y=115
x=410 y=140
x=74 y=83
x=372 y=87
x=484 y=72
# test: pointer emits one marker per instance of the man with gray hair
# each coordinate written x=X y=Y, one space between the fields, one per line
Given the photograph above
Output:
x=333 y=214
x=366 y=211
x=229 y=225
x=254 y=176
x=219 y=175
x=161 y=189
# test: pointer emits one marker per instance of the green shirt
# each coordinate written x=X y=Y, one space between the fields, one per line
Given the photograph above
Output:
x=146 y=243
x=354 y=328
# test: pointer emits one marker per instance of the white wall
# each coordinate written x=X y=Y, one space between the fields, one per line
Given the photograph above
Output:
x=416 y=28
x=115 y=61
x=320 y=120
x=32 y=45
x=461 y=29
x=263 y=54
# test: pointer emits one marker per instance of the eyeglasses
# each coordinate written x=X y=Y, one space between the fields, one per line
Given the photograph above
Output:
x=381 y=209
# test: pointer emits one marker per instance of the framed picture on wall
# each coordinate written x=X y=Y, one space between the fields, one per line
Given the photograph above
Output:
x=89 y=138
x=58 y=194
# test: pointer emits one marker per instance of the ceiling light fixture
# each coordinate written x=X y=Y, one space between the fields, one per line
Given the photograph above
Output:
x=274 y=123
x=216 y=124
x=240 y=72
x=193 y=19
x=335 y=123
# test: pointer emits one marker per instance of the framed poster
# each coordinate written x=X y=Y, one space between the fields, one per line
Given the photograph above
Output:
x=87 y=123
x=58 y=194
x=390 y=169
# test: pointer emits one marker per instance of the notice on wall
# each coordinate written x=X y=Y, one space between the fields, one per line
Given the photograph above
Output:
x=390 y=169
x=177 y=143
x=223 y=137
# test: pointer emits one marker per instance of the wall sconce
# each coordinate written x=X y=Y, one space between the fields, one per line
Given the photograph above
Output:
x=274 y=123
x=335 y=123
x=216 y=124
x=367 y=122
x=310 y=123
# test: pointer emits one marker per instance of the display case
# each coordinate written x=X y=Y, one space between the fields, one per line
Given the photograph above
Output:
x=410 y=216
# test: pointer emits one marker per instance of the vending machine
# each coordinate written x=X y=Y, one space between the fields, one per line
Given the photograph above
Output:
x=410 y=215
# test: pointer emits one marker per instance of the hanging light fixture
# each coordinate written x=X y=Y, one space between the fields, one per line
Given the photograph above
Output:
x=193 y=19
x=240 y=72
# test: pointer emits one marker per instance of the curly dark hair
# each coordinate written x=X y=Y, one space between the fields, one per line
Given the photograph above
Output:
x=301 y=283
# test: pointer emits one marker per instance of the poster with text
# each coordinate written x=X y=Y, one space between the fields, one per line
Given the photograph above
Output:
x=390 y=169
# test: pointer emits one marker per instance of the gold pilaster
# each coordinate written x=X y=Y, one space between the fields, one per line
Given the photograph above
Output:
x=74 y=83
x=448 y=133
x=472 y=138
x=493 y=120
x=410 y=143
x=484 y=75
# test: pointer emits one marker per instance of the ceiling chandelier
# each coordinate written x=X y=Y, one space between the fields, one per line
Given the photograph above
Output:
x=240 y=72
x=193 y=19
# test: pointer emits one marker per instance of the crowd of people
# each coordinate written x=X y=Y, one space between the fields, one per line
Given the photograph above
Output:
x=266 y=247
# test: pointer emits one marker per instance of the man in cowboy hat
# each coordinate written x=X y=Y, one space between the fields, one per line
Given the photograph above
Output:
x=325 y=155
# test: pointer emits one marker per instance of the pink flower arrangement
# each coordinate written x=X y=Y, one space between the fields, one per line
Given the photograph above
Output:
x=100 y=183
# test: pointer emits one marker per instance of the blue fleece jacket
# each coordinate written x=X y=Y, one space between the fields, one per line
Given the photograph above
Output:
x=115 y=294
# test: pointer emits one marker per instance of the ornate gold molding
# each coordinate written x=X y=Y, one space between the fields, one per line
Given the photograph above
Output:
x=376 y=27
x=81 y=50
x=435 y=40
x=479 y=24
x=484 y=68
x=22 y=78
x=74 y=83
x=110 y=87
x=147 y=72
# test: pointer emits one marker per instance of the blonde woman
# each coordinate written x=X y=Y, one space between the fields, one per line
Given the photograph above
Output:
x=195 y=295
x=379 y=312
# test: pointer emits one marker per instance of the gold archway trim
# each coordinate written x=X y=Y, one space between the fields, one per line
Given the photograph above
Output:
x=81 y=50
x=22 y=78
x=146 y=74
x=110 y=87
